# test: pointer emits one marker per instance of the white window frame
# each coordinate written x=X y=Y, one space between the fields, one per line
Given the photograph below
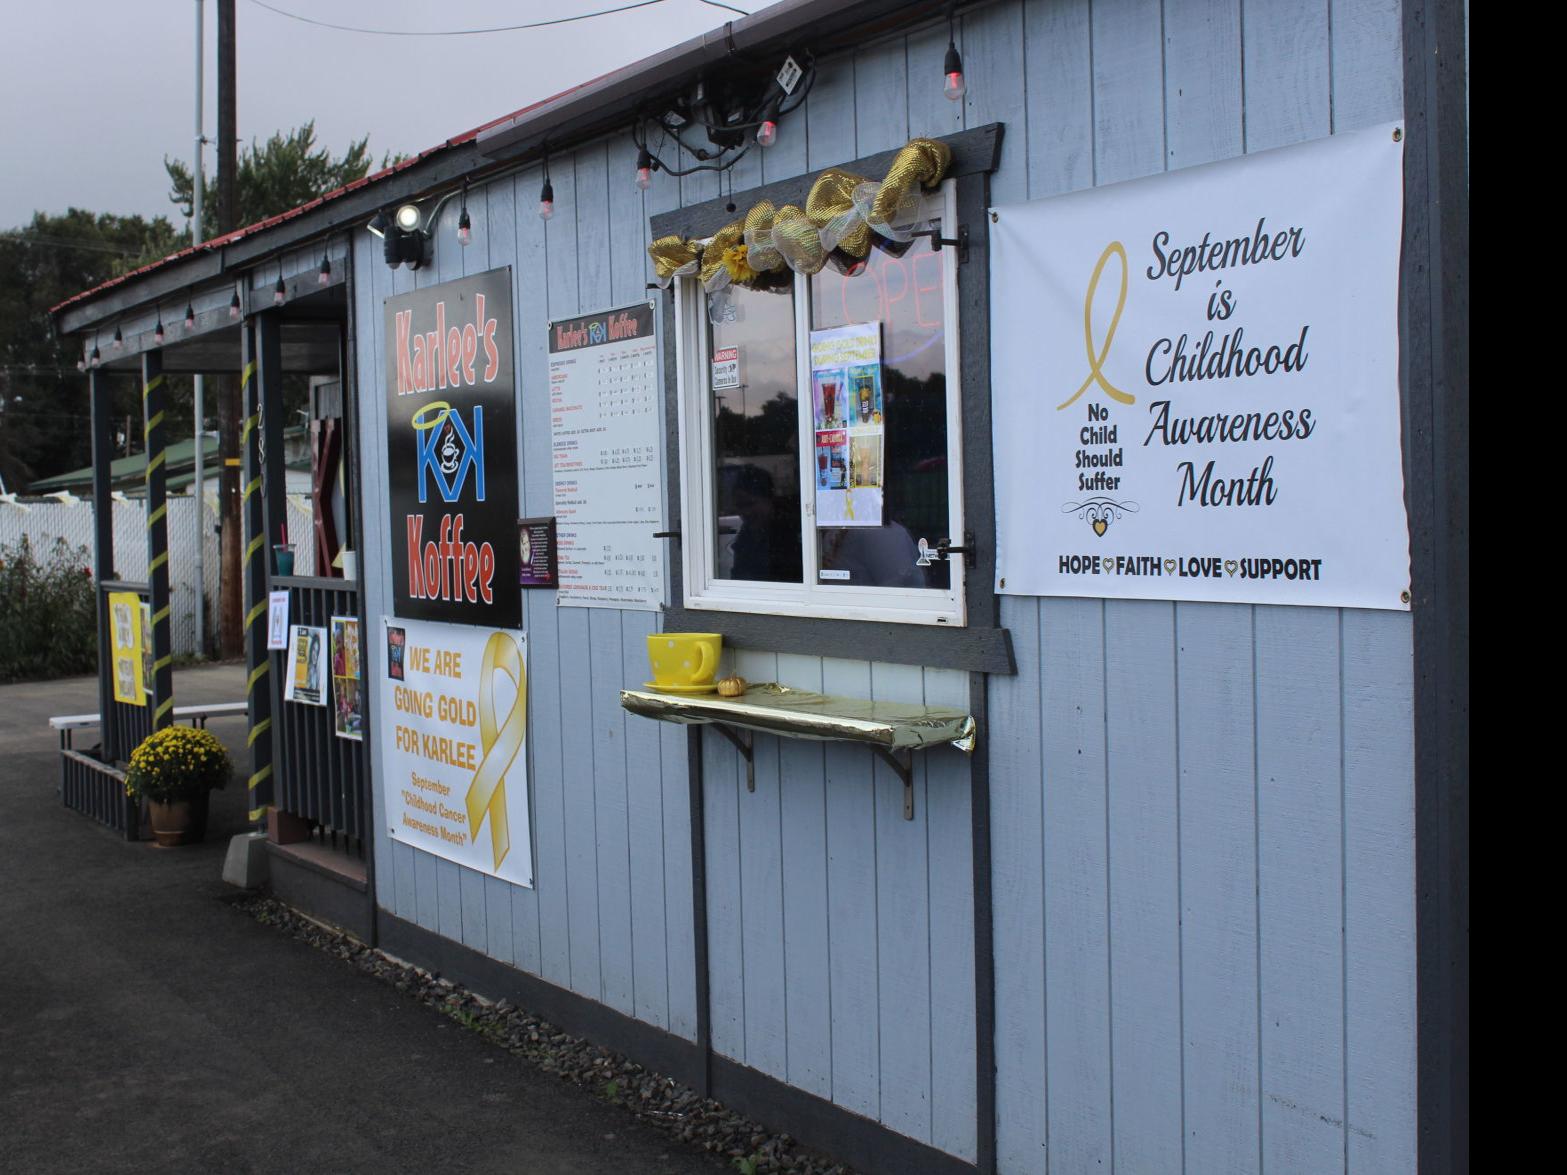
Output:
x=705 y=592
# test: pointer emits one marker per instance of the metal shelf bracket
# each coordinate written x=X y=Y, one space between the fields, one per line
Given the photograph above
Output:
x=744 y=742
x=902 y=763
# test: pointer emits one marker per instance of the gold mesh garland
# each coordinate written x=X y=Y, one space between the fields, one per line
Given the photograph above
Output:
x=793 y=236
x=671 y=255
x=723 y=240
x=921 y=163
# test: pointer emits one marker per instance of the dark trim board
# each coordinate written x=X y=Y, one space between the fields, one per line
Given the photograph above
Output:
x=310 y=887
x=817 y=1123
x=1434 y=352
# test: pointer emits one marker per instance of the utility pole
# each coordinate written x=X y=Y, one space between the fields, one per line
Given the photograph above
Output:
x=198 y=181
x=230 y=629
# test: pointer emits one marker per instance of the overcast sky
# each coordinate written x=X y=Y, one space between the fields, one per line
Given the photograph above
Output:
x=95 y=93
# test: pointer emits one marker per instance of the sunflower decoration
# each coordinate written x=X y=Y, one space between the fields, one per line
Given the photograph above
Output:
x=737 y=262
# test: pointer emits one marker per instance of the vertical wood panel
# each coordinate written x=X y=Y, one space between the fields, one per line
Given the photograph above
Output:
x=1017 y=895
x=645 y=825
x=537 y=285
x=1077 y=996
x=1060 y=156
x=1287 y=72
x=852 y=908
x=760 y=850
x=723 y=791
x=1379 y=891
x=902 y=926
x=950 y=846
x=470 y=883
x=612 y=842
x=1300 y=887
x=881 y=102
x=803 y=817
x=830 y=115
x=1218 y=886
x=1128 y=90
x=1368 y=66
x=424 y=871
x=579 y=762
x=993 y=59
x=1145 y=948
x=1202 y=85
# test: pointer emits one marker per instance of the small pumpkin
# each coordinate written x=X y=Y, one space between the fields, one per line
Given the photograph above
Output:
x=732 y=686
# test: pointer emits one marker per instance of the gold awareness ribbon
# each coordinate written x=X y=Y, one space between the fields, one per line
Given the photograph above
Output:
x=1096 y=373
x=500 y=741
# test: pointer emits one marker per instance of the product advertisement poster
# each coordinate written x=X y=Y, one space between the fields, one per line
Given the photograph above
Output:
x=304 y=668
x=453 y=726
x=849 y=424
x=451 y=419
x=125 y=638
x=1195 y=383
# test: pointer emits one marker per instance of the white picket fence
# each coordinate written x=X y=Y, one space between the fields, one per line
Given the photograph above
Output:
x=47 y=523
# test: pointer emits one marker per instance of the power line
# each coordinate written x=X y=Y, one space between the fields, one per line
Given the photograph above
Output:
x=27 y=238
x=508 y=28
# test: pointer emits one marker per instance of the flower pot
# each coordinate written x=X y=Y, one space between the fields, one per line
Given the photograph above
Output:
x=173 y=823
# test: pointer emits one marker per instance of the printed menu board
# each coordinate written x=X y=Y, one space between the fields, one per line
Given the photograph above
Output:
x=606 y=454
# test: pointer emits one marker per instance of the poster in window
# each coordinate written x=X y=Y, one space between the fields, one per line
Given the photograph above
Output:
x=850 y=424
x=305 y=667
x=452 y=451
x=348 y=698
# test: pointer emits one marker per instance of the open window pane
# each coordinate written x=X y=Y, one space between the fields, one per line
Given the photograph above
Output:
x=753 y=380
x=904 y=293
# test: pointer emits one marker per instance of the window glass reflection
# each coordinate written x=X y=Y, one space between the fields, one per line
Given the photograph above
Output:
x=756 y=439
x=902 y=290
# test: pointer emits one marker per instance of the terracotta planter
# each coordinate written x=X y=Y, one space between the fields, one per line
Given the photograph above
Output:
x=174 y=823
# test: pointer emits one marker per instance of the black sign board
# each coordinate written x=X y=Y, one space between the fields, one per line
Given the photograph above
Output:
x=536 y=553
x=451 y=422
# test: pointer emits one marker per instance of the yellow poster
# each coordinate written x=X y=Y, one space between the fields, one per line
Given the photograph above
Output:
x=125 y=641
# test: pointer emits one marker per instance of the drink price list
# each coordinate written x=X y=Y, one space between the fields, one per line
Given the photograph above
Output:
x=605 y=452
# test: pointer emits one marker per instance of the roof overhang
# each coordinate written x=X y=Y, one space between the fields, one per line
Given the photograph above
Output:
x=579 y=114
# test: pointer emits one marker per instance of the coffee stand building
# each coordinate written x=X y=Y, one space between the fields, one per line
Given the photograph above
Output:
x=1156 y=859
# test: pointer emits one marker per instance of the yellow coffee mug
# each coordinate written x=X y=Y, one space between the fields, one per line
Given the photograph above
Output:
x=684 y=658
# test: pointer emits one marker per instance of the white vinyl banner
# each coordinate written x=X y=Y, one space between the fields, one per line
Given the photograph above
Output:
x=1195 y=383
x=453 y=730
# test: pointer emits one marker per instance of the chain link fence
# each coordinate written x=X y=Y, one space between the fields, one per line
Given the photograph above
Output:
x=47 y=523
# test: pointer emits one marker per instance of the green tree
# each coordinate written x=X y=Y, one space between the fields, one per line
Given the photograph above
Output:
x=43 y=397
x=288 y=170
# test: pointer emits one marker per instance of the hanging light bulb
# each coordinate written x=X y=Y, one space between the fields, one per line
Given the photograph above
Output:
x=324 y=278
x=190 y=317
x=81 y=363
x=644 y=169
x=157 y=331
x=119 y=339
x=279 y=291
x=953 y=87
x=547 y=198
x=767 y=129
x=97 y=358
x=234 y=305
x=464 y=228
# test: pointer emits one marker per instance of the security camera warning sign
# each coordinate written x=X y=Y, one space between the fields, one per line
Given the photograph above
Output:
x=451 y=420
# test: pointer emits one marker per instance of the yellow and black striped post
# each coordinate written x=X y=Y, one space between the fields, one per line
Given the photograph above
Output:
x=258 y=661
x=153 y=398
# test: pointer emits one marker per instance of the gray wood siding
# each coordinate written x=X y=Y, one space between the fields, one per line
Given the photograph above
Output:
x=1202 y=835
x=611 y=915
x=1202 y=814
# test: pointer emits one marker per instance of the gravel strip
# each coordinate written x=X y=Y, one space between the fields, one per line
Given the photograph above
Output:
x=661 y=1102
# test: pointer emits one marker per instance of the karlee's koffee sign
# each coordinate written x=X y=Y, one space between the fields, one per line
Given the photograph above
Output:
x=452 y=452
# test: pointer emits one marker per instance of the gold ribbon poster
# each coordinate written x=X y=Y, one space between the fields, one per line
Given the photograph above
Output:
x=454 y=739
